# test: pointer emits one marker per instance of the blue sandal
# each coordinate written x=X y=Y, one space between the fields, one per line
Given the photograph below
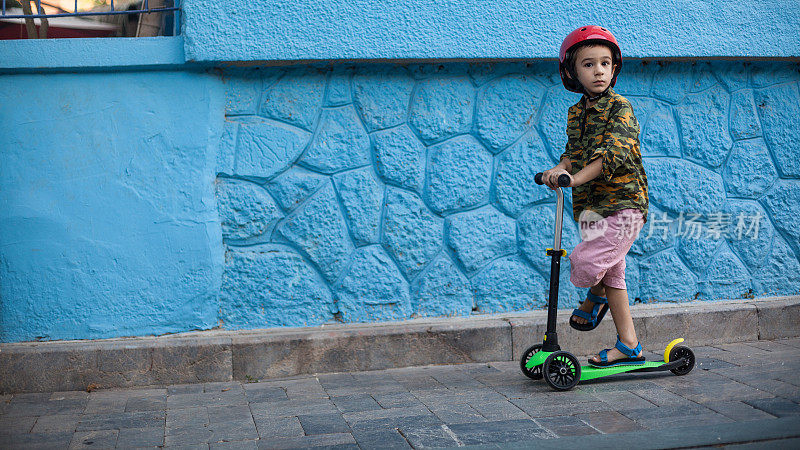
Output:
x=597 y=314
x=631 y=353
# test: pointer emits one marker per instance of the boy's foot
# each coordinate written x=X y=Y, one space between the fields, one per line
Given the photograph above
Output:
x=608 y=357
x=589 y=314
x=587 y=306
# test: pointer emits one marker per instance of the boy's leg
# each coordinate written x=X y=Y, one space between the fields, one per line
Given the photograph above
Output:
x=621 y=313
x=587 y=305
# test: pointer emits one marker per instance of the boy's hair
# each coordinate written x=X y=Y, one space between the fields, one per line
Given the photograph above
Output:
x=573 y=52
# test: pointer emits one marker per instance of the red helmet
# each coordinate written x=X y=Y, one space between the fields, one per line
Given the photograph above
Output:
x=582 y=35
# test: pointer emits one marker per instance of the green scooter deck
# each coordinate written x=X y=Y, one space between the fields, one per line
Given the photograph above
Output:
x=591 y=372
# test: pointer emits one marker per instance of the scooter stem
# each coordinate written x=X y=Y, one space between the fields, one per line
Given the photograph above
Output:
x=559 y=218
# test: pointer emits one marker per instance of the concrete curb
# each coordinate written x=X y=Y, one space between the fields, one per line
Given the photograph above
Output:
x=261 y=354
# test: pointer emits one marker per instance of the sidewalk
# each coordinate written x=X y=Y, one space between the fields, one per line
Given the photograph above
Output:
x=755 y=384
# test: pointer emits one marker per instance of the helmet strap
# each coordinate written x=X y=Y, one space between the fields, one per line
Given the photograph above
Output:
x=596 y=97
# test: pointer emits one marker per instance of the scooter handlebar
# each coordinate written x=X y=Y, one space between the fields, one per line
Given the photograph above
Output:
x=563 y=179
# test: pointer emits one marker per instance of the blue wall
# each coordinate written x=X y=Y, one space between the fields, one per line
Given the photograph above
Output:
x=384 y=192
x=149 y=186
x=108 y=220
x=240 y=30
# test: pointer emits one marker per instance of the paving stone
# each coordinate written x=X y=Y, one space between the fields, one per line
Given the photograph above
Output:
x=265 y=394
x=319 y=440
x=232 y=430
x=738 y=411
x=187 y=418
x=56 y=423
x=323 y=424
x=402 y=423
x=567 y=426
x=235 y=445
x=675 y=416
x=355 y=403
x=382 y=439
x=35 y=440
x=458 y=413
x=187 y=437
x=184 y=389
x=778 y=407
x=293 y=408
x=498 y=432
x=396 y=400
x=451 y=396
x=69 y=395
x=30 y=407
x=278 y=427
x=610 y=422
x=94 y=439
x=355 y=417
x=430 y=436
x=619 y=400
x=709 y=392
x=218 y=414
x=662 y=397
x=499 y=410
x=146 y=403
x=546 y=406
x=140 y=437
x=712 y=364
x=101 y=404
x=17 y=424
x=233 y=397
x=203 y=446
x=776 y=387
x=422 y=382
x=31 y=397
x=304 y=388
x=771 y=346
x=140 y=419
x=791 y=342
x=222 y=386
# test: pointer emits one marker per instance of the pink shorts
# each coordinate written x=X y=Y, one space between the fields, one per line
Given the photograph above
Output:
x=600 y=257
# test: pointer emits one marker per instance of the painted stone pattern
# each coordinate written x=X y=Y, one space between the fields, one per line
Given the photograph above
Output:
x=365 y=193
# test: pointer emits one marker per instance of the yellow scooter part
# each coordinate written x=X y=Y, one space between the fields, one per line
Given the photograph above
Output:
x=669 y=348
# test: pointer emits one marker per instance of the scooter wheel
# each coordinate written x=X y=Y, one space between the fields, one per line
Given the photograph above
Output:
x=682 y=352
x=534 y=373
x=561 y=371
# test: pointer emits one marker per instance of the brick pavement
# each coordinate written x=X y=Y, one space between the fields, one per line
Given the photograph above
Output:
x=432 y=406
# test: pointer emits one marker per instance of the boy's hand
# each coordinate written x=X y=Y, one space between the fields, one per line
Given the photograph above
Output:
x=550 y=177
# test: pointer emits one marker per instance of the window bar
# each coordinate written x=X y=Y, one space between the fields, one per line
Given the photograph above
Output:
x=177 y=19
x=39 y=9
x=112 y=5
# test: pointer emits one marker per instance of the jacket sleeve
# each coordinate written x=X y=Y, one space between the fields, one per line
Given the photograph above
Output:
x=621 y=136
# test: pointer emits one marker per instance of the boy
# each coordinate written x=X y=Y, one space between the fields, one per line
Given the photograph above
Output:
x=609 y=185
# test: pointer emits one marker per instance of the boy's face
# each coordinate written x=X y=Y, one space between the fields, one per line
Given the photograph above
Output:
x=594 y=68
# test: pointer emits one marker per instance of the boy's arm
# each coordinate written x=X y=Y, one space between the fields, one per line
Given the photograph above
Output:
x=588 y=173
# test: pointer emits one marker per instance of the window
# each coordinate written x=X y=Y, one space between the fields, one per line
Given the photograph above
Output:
x=31 y=19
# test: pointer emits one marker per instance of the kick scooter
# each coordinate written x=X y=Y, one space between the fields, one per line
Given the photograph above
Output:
x=561 y=369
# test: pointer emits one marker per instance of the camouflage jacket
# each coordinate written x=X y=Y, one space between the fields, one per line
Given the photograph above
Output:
x=608 y=130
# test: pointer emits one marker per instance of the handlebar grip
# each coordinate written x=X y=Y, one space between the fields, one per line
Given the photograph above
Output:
x=563 y=179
